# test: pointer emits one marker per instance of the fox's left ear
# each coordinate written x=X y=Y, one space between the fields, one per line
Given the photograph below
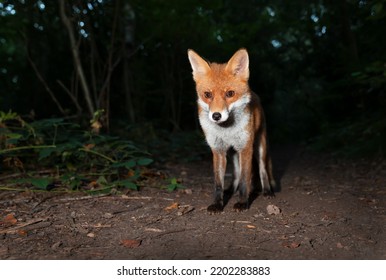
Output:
x=238 y=65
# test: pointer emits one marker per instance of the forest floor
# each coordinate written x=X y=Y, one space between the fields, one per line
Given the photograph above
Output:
x=326 y=209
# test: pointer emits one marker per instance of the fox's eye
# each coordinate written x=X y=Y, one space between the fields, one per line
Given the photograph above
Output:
x=230 y=93
x=207 y=94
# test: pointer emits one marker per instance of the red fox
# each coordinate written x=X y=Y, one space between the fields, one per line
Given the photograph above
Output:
x=232 y=119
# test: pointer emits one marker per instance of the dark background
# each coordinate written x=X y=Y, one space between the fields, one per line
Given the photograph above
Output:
x=319 y=66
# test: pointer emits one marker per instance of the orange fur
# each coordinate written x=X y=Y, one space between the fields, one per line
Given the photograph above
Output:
x=232 y=119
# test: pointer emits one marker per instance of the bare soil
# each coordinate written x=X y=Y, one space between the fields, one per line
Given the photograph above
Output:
x=325 y=209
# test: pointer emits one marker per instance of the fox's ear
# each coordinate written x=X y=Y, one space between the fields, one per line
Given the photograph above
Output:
x=238 y=65
x=199 y=65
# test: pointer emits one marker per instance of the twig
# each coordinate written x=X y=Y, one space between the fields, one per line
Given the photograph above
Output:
x=26 y=148
x=137 y=197
x=82 y=197
x=15 y=228
x=98 y=154
x=174 y=231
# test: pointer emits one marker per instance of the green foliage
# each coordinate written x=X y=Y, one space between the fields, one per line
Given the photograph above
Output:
x=174 y=185
x=39 y=183
x=78 y=159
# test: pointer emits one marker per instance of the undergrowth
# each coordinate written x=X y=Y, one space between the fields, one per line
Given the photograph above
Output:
x=57 y=154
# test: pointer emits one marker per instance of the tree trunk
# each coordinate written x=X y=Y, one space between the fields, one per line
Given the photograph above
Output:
x=348 y=36
x=77 y=61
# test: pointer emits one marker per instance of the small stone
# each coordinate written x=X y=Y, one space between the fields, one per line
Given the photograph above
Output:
x=273 y=210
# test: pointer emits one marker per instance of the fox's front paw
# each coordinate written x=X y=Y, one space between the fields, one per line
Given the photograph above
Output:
x=240 y=206
x=268 y=193
x=215 y=208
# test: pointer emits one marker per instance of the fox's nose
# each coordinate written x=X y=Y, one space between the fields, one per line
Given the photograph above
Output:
x=216 y=116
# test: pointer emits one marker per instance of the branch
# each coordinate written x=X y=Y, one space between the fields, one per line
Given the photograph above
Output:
x=41 y=79
x=69 y=93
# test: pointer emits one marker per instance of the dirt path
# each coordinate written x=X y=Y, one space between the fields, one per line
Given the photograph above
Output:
x=328 y=210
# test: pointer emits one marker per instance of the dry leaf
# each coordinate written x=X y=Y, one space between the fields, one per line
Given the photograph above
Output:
x=251 y=226
x=131 y=243
x=184 y=209
x=9 y=220
x=131 y=173
x=22 y=232
x=91 y=234
x=291 y=245
x=89 y=146
x=93 y=184
x=172 y=206
x=96 y=126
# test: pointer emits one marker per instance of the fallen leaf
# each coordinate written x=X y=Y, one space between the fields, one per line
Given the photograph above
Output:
x=291 y=245
x=172 y=206
x=91 y=234
x=273 y=209
x=131 y=243
x=184 y=210
x=93 y=184
x=9 y=220
x=251 y=226
x=22 y=232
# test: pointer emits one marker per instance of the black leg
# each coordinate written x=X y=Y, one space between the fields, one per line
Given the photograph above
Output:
x=218 y=204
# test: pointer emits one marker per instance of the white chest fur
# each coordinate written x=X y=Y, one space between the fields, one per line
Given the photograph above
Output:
x=234 y=134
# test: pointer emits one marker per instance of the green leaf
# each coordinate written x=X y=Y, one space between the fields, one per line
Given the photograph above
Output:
x=40 y=183
x=13 y=138
x=44 y=153
x=174 y=181
x=171 y=187
x=127 y=184
x=102 y=181
x=174 y=185
x=144 y=161
x=128 y=164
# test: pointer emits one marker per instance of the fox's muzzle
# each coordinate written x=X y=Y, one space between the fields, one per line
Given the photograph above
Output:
x=219 y=117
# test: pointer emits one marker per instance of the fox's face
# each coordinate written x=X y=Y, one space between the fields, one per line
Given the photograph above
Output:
x=221 y=88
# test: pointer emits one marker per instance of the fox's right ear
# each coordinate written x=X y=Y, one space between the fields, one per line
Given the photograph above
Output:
x=199 y=65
